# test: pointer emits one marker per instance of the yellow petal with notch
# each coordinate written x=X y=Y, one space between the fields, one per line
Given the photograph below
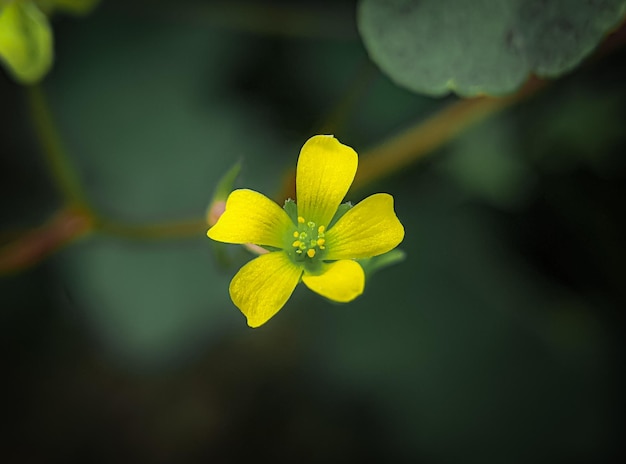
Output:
x=371 y=228
x=263 y=286
x=325 y=171
x=251 y=217
x=341 y=281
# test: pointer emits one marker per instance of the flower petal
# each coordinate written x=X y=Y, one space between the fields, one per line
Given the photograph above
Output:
x=371 y=228
x=326 y=169
x=341 y=281
x=251 y=217
x=263 y=286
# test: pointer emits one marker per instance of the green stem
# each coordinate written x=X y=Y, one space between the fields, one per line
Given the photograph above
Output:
x=426 y=136
x=54 y=152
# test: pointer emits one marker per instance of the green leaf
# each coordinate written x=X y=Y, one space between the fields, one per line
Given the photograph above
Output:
x=165 y=137
x=148 y=304
x=487 y=164
x=482 y=46
x=25 y=41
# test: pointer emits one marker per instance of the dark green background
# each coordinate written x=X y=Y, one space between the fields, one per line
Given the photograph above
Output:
x=498 y=339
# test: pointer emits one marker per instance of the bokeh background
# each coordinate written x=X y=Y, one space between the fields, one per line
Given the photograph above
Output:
x=498 y=338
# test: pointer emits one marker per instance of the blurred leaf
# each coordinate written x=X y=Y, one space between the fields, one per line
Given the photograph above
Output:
x=457 y=344
x=587 y=124
x=25 y=41
x=158 y=158
x=151 y=132
x=148 y=304
x=487 y=162
x=481 y=47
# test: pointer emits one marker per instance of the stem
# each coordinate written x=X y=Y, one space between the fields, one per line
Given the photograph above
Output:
x=423 y=138
x=37 y=244
x=62 y=171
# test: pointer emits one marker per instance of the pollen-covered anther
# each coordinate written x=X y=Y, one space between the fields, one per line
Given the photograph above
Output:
x=309 y=238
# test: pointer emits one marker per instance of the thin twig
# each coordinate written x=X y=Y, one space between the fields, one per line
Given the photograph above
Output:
x=54 y=152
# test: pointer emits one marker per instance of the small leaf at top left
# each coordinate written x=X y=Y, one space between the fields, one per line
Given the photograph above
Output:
x=25 y=41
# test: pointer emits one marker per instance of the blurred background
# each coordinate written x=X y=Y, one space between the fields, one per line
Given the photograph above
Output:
x=498 y=338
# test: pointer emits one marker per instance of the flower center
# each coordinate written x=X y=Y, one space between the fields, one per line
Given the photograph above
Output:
x=308 y=239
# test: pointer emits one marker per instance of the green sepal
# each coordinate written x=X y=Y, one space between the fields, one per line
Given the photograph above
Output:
x=291 y=209
x=224 y=187
x=372 y=265
x=343 y=209
x=226 y=184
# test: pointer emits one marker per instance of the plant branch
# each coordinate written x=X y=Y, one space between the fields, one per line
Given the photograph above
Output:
x=61 y=169
x=426 y=136
x=35 y=245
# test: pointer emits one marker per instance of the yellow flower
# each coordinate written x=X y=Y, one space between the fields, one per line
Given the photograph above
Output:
x=307 y=246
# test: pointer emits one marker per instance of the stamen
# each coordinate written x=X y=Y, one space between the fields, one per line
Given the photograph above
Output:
x=309 y=239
